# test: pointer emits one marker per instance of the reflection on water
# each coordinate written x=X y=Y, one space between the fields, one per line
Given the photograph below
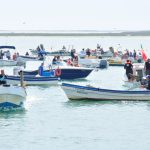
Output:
x=79 y=103
x=99 y=103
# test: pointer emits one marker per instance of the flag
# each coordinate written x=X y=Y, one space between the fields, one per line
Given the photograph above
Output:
x=144 y=55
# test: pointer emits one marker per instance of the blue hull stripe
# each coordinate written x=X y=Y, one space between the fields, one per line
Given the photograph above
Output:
x=8 y=105
x=32 y=78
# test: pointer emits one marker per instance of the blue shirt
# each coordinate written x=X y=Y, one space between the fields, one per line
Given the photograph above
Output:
x=41 y=70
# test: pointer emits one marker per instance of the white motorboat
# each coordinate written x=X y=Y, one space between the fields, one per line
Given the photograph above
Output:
x=5 y=61
x=12 y=96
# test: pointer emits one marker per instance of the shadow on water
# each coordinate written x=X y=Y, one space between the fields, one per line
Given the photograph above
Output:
x=85 y=102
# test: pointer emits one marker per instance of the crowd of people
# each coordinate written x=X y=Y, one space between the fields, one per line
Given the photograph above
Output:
x=145 y=81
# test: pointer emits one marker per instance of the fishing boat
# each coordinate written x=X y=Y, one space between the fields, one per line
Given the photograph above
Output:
x=88 y=92
x=5 y=61
x=32 y=80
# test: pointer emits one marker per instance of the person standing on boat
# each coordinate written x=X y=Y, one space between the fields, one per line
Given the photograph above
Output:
x=134 y=54
x=73 y=51
x=147 y=67
x=41 y=69
x=129 y=69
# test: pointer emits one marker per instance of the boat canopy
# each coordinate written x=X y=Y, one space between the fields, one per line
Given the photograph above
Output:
x=9 y=47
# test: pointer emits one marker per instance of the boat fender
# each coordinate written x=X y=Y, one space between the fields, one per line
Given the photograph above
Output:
x=58 y=72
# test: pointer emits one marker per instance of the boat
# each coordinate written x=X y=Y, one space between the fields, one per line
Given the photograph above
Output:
x=11 y=96
x=22 y=58
x=77 y=92
x=32 y=80
x=93 y=62
x=64 y=72
x=6 y=61
x=53 y=53
x=118 y=61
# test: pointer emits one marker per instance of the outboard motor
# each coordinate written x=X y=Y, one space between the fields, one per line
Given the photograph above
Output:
x=103 y=64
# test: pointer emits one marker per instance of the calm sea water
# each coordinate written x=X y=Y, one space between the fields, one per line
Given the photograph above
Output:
x=51 y=121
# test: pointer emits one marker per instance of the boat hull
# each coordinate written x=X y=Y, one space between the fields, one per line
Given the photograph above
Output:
x=32 y=80
x=85 y=92
x=12 y=97
x=7 y=62
x=66 y=73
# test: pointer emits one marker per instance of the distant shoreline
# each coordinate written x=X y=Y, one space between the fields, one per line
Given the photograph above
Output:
x=127 y=33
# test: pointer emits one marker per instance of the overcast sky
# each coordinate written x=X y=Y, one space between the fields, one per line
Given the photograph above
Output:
x=75 y=15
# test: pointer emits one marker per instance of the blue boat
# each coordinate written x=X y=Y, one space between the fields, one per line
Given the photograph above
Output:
x=65 y=72
x=32 y=80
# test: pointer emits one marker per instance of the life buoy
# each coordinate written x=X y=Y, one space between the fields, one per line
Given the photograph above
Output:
x=58 y=72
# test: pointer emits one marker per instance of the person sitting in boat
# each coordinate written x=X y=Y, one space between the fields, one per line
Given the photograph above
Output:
x=69 y=62
x=146 y=82
x=75 y=61
x=1 y=54
x=64 y=48
x=129 y=69
x=14 y=56
x=27 y=54
x=82 y=54
x=98 y=47
x=54 y=61
x=2 y=77
x=8 y=56
x=88 y=53
x=41 y=69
